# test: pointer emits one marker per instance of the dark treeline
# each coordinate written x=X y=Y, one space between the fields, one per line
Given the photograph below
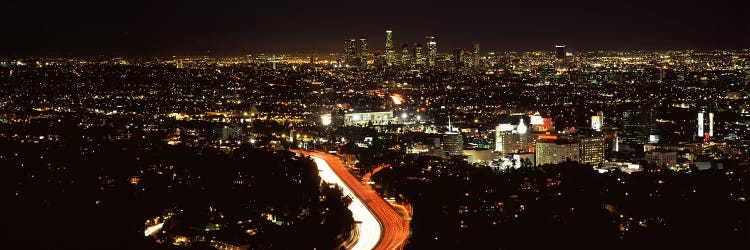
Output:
x=65 y=196
x=569 y=206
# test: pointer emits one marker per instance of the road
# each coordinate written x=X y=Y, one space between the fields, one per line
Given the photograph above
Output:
x=392 y=230
x=369 y=227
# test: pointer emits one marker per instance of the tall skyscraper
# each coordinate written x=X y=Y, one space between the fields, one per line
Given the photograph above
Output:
x=705 y=124
x=350 y=51
x=458 y=53
x=418 y=57
x=560 y=63
x=431 y=51
x=405 y=55
x=637 y=125
x=453 y=142
x=476 y=60
x=362 y=52
x=389 y=51
x=388 y=39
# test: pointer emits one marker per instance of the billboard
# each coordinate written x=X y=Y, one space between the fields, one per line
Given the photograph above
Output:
x=596 y=123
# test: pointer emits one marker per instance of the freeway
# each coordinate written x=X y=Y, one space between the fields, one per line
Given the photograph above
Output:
x=369 y=228
x=393 y=230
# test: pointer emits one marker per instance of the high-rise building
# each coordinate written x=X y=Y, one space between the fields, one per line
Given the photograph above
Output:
x=350 y=51
x=560 y=62
x=389 y=51
x=705 y=124
x=431 y=51
x=388 y=40
x=453 y=143
x=362 y=51
x=637 y=125
x=405 y=55
x=592 y=149
x=552 y=152
x=747 y=70
x=417 y=56
x=458 y=54
x=476 y=59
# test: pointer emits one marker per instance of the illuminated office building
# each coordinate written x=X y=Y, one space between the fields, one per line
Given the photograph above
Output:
x=362 y=51
x=560 y=62
x=592 y=149
x=405 y=55
x=637 y=125
x=389 y=51
x=556 y=151
x=476 y=59
x=418 y=57
x=453 y=143
x=458 y=54
x=431 y=51
x=705 y=124
x=350 y=51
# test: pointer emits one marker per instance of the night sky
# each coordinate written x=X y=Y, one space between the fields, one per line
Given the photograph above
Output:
x=137 y=28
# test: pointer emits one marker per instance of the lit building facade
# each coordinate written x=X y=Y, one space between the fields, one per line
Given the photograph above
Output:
x=431 y=51
x=552 y=152
x=453 y=143
x=662 y=158
x=592 y=149
x=705 y=124
x=368 y=118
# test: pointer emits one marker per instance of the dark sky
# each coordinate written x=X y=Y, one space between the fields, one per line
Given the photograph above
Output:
x=190 y=27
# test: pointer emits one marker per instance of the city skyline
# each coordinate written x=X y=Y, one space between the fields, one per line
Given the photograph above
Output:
x=375 y=125
x=165 y=29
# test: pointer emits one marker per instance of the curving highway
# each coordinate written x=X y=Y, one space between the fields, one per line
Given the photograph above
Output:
x=369 y=228
x=382 y=227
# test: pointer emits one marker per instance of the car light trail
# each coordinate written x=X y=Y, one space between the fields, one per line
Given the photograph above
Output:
x=392 y=229
x=369 y=228
x=153 y=229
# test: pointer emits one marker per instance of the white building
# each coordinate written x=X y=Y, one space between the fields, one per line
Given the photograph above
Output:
x=368 y=118
x=552 y=152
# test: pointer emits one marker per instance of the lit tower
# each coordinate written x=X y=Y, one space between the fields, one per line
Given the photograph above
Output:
x=477 y=58
x=431 y=51
x=457 y=62
x=350 y=50
x=705 y=119
x=389 y=52
x=453 y=142
x=362 y=51
x=405 y=54
x=560 y=58
x=418 y=57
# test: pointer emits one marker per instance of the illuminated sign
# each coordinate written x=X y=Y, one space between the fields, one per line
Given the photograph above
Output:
x=653 y=139
x=596 y=123
x=547 y=123
x=548 y=137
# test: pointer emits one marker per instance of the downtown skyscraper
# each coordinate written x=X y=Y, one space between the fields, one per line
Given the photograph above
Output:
x=431 y=51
